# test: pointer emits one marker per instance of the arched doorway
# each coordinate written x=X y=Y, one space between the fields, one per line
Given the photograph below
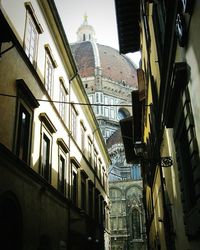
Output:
x=10 y=222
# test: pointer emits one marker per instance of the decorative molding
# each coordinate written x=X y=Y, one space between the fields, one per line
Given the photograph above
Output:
x=45 y=119
x=31 y=11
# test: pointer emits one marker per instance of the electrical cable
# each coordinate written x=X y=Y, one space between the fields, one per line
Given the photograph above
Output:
x=75 y=103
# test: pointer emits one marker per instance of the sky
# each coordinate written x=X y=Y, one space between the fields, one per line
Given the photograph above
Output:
x=101 y=15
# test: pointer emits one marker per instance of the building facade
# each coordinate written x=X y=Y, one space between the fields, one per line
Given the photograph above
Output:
x=127 y=215
x=167 y=143
x=109 y=78
x=51 y=194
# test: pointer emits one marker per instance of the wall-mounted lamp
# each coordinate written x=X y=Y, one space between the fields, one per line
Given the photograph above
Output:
x=139 y=148
x=141 y=152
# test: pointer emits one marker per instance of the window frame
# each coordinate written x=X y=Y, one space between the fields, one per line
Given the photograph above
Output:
x=63 y=93
x=23 y=138
x=136 y=218
x=187 y=155
x=27 y=101
x=89 y=150
x=74 y=121
x=99 y=169
x=31 y=21
x=83 y=189
x=50 y=65
x=63 y=151
x=45 y=167
x=106 y=112
x=74 y=188
x=47 y=130
x=83 y=135
x=90 y=198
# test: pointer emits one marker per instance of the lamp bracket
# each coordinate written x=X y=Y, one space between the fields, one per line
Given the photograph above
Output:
x=166 y=161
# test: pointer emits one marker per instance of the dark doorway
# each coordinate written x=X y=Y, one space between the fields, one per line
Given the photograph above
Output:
x=10 y=222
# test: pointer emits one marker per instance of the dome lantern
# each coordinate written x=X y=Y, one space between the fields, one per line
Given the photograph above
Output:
x=85 y=32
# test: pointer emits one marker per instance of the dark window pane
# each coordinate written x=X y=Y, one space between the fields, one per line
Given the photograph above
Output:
x=136 y=224
x=61 y=174
x=23 y=135
x=46 y=158
x=83 y=193
x=74 y=187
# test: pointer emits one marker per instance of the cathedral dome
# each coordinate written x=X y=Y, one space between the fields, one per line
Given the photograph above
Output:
x=108 y=78
x=90 y=55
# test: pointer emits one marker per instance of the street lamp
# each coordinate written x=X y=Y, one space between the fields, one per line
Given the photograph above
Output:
x=141 y=153
x=139 y=148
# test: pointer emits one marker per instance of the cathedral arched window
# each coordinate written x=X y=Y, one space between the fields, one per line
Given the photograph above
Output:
x=136 y=224
x=84 y=38
x=122 y=114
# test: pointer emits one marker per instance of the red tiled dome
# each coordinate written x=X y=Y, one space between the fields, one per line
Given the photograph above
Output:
x=115 y=138
x=114 y=66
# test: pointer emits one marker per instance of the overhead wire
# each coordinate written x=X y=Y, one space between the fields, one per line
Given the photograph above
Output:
x=74 y=103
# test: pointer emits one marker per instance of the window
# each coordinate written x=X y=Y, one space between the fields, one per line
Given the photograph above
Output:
x=89 y=150
x=24 y=119
x=90 y=198
x=46 y=158
x=112 y=113
x=50 y=65
x=24 y=126
x=83 y=129
x=74 y=180
x=159 y=21
x=103 y=178
x=62 y=99
x=101 y=210
x=99 y=168
x=107 y=132
x=186 y=151
x=74 y=122
x=99 y=97
x=46 y=146
x=106 y=100
x=83 y=189
x=96 y=204
x=62 y=164
x=114 y=223
x=49 y=76
x=106 y=112
x=97 y=110
x=61 y=174
x=136 y=227
x=106 y=182
x=101 y=110
x=74 y=186
x=32 y=31
x=95 y=160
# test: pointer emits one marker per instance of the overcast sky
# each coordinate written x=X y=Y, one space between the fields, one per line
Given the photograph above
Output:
x=101 y=15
